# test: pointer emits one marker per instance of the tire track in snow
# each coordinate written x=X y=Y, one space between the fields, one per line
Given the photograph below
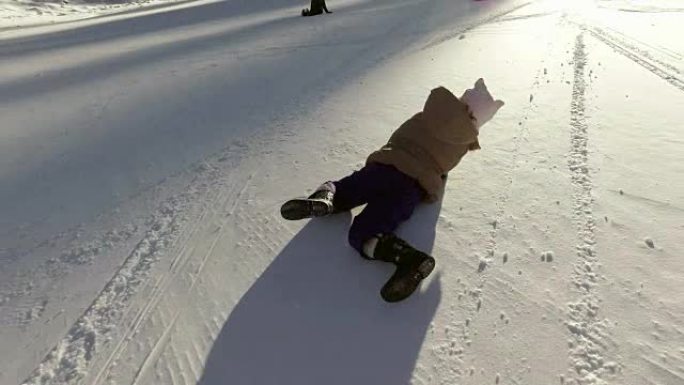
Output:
x=589 y=341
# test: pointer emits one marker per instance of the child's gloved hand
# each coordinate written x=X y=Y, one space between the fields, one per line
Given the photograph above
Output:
x=481 y=103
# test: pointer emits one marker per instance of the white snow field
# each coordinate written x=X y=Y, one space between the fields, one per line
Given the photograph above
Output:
x=144 y=156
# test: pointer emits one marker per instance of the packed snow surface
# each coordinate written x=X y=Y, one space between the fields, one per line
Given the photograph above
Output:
x=146 y=148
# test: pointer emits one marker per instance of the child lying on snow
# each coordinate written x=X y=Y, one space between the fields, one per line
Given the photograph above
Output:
x=410 y=168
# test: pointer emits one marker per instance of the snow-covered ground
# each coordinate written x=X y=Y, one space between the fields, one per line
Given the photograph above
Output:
x=16 y=14
x=144 y=156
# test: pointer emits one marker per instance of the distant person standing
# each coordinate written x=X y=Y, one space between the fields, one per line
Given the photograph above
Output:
x=317 y=8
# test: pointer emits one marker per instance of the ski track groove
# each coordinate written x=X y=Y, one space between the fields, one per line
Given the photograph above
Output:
x=173 y=367
x=455 y=33
x=170 y=373
x=185 y=270
x=192 y=366
x=71 y=359
x=154 y=352
x=74 y=357
x=504 y=18
x=212 y=324
x=663 y=50
x=215 y=316
x=157 y=290
x=670 y=373
x=179 y=363
x=588 y=342
x=660 y=68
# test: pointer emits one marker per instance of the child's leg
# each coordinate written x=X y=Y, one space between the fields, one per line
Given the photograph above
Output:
x=383 y=216
x=372 y=236
x=370 y=183
x=374 y=182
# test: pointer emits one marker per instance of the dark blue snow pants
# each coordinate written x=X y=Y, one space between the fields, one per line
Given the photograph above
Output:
x=390 y=195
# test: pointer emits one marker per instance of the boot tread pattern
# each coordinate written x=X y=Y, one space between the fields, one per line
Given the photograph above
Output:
x=304 y=208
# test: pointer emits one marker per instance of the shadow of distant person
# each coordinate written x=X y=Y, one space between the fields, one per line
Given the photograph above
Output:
x=315 y=315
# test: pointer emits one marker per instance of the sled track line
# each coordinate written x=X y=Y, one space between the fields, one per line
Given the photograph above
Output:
x=660 y=68
x=588 y=343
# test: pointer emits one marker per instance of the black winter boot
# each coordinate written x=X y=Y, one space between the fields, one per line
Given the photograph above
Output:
x=412 y=267
x=319 y=204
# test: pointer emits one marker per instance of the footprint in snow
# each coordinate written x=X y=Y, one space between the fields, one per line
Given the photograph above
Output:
x=482 y=266
x=649 y=243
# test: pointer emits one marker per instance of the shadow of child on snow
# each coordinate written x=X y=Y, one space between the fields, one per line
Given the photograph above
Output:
x=315 y=315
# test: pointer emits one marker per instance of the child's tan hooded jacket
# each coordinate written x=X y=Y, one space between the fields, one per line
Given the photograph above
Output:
x=431 y=143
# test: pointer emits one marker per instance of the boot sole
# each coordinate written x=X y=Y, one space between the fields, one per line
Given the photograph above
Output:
x=296 y=209
x=411 y=283
x=426 y=268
